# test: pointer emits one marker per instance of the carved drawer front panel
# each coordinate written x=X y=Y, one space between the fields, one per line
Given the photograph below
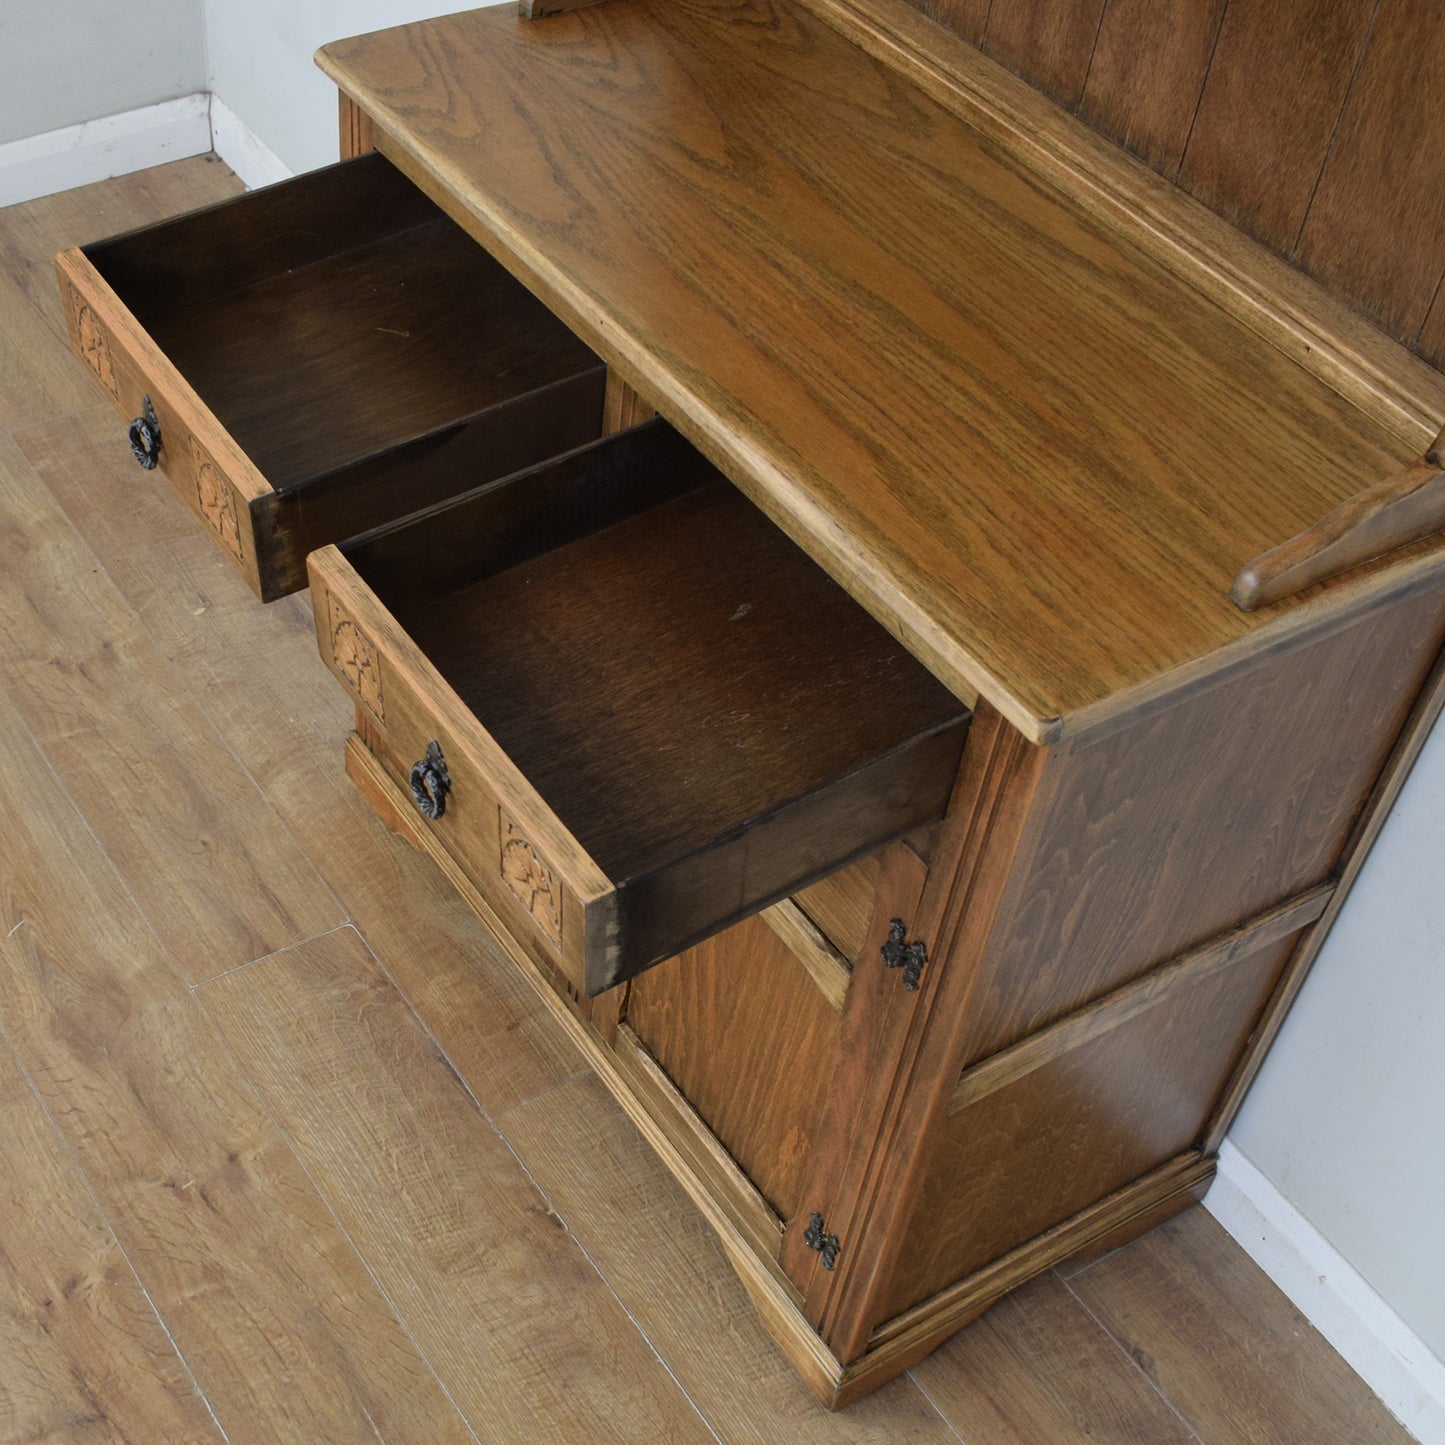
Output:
x=657 y=716
x=408 y=365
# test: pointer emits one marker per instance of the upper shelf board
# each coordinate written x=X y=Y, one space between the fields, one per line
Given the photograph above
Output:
x=1034 y=453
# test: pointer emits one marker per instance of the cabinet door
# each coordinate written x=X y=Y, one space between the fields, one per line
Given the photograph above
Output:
x=773 y=1036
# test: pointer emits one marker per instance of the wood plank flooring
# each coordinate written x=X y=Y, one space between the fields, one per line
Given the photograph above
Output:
x=287 y=1154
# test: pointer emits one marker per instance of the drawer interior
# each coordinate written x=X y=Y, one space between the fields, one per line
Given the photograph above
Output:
x=335 y=316
x=709 y=715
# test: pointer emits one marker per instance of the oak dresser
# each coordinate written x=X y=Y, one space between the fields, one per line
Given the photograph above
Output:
x=904 y=627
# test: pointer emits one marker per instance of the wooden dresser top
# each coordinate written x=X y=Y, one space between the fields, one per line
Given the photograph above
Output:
x=1032 y=451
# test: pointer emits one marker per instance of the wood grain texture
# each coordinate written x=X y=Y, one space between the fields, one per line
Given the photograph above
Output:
x=1268 y=111
x=291 y=333
x=1146 y=844
x=1148 y=67
x=537 y=9
x=1038 y=1367
x=742 y=1029
x=356 y=134
x=253 y=673
x=130 y=370
x=1423 y=717
x=1320 y=331
x=201 y=850
x=249 y=667
x=622 y=406
x=901 y=1342
x=657 y=726
x=86 y=1356
x=738 y=678
x=1393 y=513
x=669 y=1271
x=1268 y=102
x=1050 y=1142
x=1283 y=1378
x=1103 y=1015
x=828 y=969
x=707 y=1159
x=964 y=17
x=842 y=904
x=1376 y=228
x=1048 y=42
x=318 y=1030
x=272 y=1310
x=888 y=460
x=897 y=1054
x=691 y=1159
x=38 y=381
x=1432 y=337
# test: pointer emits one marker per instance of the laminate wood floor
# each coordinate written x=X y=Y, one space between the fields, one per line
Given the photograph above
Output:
x=288 y=1155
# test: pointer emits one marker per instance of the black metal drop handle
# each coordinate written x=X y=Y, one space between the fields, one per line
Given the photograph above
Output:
x=145 y=436
x=430 y=782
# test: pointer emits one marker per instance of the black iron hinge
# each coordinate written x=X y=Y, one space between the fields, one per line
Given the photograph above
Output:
x=910 y=957
x=826 y=1244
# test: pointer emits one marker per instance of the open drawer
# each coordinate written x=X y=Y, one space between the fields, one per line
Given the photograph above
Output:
x=633 y=710
x=312 y=360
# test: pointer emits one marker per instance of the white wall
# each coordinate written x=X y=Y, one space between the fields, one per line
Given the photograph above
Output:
x=260 y=64
x=1347 y=1118
x=66 y=61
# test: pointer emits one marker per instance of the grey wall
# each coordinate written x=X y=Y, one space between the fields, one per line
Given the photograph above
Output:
x=1347 y=1119
x=260 y=64
x=65 y=61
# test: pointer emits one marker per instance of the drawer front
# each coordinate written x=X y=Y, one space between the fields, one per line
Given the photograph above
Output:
x=209 y=472
x=503 y=837
x=658 y=717
x=322 y=357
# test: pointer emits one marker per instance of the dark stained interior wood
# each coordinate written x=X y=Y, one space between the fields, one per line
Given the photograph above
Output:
x=1149 y=107
x=1304 y=113
x=712 y=721
x=1051 y=40
x=1151 y=843
x=335 y=316
x=1376 y=230
x=1269 y=109
x=416 y=475
x=744 y=1032
x=967 y=17
x=194 y=258
x=1052 y=1142
x=669 y=677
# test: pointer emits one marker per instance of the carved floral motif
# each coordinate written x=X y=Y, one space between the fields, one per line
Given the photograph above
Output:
x=356 y=660
x=531 y=880
x=94 y=344
x=214 y=495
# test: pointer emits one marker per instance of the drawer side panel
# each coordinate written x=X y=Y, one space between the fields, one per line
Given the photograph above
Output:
x=209 y=472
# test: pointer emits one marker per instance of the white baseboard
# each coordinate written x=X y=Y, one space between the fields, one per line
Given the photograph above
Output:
x=1376 y=1343
x=242 y=149
x=77 y=155
x=115 y=145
